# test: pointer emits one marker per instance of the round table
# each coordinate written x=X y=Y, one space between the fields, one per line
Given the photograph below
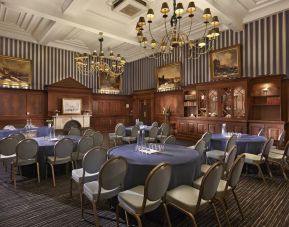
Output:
x=185 y=163
x=245 y=143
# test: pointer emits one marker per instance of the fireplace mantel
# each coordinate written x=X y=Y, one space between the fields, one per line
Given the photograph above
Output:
x=61 y=120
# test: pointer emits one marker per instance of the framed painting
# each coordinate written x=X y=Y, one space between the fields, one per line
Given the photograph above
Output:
x=71 y=106
x=15 y=72
x=169 y=77
x=109 y=84
x=226 y=62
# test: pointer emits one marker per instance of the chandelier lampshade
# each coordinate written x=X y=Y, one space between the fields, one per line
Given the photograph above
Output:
x=89 y=64
x=174 y=36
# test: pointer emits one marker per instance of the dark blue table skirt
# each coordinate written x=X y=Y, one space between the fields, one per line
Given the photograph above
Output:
x=46 y=148
x=245 y=143
x=41 y=131
x=185 y=164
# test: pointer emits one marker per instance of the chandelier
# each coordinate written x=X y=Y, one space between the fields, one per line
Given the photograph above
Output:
x=174 y=37
x=88 y=64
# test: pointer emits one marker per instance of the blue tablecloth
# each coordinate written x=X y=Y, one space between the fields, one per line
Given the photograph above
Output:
x=41 y=131
x=46 y=148
x=245 y=143
x=185 y=162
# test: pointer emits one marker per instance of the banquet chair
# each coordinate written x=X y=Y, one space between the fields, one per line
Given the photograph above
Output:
x=97 y=139
x=62 y=155
x=152 y=135
x=118 y=134
x=91 y=163
x=18 y=136
x=110 y=182
x=148 y=197
x=207 y=138
x=228 y=162
x=133 y=137
x=261 y=132
x=191 y=200
x=84 y=144
x=155 y=124
x=169 y=140
x=88 y=132
x=257 y=160
x=164 y=131
x=8 y=150
x=228 y=184
x=9 y=127
x=280 y=144
x=221 y=155
x=280 y=159
x=26 y=154
x=74 y=132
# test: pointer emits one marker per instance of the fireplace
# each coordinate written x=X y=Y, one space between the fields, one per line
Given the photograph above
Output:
x=65 y=122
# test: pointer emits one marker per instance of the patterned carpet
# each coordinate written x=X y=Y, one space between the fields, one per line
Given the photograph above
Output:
x=33 y=204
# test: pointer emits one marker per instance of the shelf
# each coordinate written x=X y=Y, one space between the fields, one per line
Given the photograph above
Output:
x=190 y=106
x=265 y=104
x=264 y=96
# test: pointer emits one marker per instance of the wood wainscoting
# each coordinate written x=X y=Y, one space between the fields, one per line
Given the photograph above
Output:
x=108 y=110
x=17 y=105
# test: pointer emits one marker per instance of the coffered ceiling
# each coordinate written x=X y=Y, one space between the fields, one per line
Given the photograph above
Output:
x=75 y=24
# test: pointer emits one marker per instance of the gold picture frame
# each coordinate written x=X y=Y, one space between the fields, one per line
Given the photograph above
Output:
x=15 y=72
x=71 y=106
x=168 y=77
x=226 y=62
x=109 y=84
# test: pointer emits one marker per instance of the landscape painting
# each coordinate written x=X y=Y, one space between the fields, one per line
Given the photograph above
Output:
x=71 y=106
x=225 y=63
x=109 y=84
x=169 y=77
x=15 y=72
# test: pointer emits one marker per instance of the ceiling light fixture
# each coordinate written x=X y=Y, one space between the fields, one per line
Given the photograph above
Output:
x=87 y=64
x=175 y=37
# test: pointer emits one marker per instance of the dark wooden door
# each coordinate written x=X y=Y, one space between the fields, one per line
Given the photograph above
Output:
x=145 y=111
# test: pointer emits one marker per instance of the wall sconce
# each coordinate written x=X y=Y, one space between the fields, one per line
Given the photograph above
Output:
x=202 y=97
x=127 y=105
x=265 y=90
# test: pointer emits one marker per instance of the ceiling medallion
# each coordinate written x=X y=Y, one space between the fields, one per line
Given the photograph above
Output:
x=88 y=64
x=174 y=37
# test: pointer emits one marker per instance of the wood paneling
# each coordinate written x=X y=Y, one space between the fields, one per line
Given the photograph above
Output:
x=15 y=104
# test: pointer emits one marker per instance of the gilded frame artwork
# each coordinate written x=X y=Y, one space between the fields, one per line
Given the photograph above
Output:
x=109 y=84
x=71 y=106
x=226 y=62
x=168 y=77
x=15 y=72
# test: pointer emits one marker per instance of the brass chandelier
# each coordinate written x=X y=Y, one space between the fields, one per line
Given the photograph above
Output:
x=175 y=37
x=88 y=64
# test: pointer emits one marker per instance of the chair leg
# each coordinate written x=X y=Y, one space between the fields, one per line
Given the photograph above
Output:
x=283 y=171
x=225 y=211
x=193 y=219
x=70 y=189
x=216 y=214
x=167 y=215
x=14 y=169
x=53 y=176
x=38 y=172
x=238 y=203
x=261 y=172
x=225 y=203
x=95 y=213
x=126 y=218
x=72 y=165
x=81 y=206
x=139 y=223
x=268 y=168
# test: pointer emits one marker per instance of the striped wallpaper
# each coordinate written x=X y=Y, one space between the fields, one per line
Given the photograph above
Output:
x=49 y=64
x=265 y=51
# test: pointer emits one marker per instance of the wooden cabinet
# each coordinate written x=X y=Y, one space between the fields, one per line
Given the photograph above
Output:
x=246 y=105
